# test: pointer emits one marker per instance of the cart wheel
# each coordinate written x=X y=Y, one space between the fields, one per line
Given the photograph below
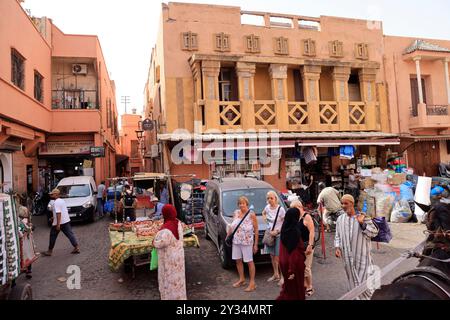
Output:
x=21 y=292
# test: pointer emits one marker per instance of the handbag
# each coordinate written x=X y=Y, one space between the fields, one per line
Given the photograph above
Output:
x=384 y=232
x=154 y=259
x=229 y=239
x=268 y=239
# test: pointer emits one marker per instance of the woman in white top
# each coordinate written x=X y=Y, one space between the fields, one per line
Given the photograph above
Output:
x=269 y=214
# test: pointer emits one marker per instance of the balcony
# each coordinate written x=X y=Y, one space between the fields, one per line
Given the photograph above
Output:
x=288 y=116
x=74 y=99
x=429 y=117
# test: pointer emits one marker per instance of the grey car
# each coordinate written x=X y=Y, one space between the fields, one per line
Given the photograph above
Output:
x=220 y=203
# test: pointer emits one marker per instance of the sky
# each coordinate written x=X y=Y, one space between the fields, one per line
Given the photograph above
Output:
x=127 y=29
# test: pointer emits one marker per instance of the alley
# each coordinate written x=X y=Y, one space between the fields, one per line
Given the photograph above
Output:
x=205 y=278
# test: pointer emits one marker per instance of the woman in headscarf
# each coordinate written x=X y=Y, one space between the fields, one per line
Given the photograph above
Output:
x=292 y=258
x=169 y=243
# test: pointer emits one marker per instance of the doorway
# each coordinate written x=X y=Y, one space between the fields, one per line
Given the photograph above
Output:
x=415 y=95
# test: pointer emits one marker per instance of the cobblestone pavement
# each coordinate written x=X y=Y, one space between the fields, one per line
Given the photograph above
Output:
x=205 y=278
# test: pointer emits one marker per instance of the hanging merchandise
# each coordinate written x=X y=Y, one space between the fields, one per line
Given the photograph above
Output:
x=347 y=152
x=310 y=154
x=9 y=240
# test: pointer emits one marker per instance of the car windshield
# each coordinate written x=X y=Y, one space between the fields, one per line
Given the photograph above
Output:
x=75 y=191
x=256 y=197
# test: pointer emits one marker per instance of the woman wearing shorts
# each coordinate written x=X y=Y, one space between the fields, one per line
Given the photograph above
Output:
x=245 y=243
x=269 y=214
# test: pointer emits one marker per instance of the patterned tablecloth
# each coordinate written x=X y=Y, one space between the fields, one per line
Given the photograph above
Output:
x=121 y=249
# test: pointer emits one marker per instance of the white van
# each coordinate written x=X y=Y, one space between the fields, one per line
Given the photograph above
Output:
x=80 y=195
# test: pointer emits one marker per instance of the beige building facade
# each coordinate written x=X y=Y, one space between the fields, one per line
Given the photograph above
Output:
x=222 y=73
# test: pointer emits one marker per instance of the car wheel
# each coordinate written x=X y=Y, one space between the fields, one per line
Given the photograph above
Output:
x=205 y=229
x=224 y=256
x=21 y=292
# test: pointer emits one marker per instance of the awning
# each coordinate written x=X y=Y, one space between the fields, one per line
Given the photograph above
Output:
x=429 y=138
x=357 y=135
x=338 y=143
x=149 y=176
x=247 y=145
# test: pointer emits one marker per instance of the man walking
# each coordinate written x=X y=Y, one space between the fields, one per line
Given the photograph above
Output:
x=329 y=197
x=61 y=222
x=100 y=196
x=353 y=244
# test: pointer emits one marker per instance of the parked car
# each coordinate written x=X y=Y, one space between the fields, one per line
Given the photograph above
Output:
x=221 y=198
x=80 y=195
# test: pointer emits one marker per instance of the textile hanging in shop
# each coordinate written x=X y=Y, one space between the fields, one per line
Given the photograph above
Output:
x=310 y=154
x=347 y=152
x=333 y=152
x=9 y=238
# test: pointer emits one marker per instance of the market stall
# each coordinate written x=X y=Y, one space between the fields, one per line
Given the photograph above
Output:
x=134 y=240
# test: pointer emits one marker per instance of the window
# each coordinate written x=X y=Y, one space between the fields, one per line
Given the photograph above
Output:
x=134 y=149
x=336 y=49
x=38 y=86
x=17 y=69
x=309 y=47
x=256 y=197
x=108 y=113
x=227 y=85
x=252 y=43
x=222 y=42
x=362 y=51
x=281 y=45
x=189 y=41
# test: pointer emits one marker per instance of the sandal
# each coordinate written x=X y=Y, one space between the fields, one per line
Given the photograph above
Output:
x=273 y=278
x=239 y=284
x=309 y=292
x=75 y=251
x=46 y=253
x=250 y=289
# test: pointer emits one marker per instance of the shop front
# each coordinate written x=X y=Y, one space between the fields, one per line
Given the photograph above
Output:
x=5 y=171
x=60 y=159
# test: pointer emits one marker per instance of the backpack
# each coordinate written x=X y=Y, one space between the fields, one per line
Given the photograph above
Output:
x=128 y=199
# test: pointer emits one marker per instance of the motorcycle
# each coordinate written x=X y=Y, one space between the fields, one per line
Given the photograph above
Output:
x=40 y=204
x=444 y=170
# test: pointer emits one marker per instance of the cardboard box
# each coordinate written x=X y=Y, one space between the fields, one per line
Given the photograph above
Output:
x=397 y=178
x=367 y=183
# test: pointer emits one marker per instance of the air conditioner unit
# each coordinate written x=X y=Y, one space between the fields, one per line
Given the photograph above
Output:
x=79 y=68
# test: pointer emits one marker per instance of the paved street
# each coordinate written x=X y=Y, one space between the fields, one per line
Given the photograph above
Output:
x=205 y=278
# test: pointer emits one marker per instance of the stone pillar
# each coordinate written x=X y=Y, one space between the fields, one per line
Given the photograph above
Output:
x=422 y=107
x=341 y=75
x=278 y=77
x=447 y=78
x=367 y=78
x=210 y=71
x=311 y=89
x=246 y=88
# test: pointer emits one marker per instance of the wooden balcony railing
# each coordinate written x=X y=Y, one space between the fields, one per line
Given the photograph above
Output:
x=290 y=116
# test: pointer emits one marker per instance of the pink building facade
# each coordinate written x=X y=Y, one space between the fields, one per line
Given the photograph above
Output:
x=57 y=102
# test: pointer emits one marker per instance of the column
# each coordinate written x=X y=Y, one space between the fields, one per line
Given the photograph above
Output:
x=278 y=77
x=419 y=79
x=422 y=107
x=367 y=78
x=447 y=78
x=341 y=75
x=196 y=75
x=210 y=71
x=246 y=88
x=311 y=89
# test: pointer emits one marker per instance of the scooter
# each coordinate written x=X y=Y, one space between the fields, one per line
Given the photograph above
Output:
x=444 y=170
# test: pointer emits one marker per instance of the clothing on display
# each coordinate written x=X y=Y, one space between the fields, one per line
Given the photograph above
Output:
x=310 y=154
x=347 y=152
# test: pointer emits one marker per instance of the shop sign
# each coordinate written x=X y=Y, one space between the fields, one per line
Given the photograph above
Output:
x=147 y=125
x=66 y=147
x=98 y=152
x=154 y=151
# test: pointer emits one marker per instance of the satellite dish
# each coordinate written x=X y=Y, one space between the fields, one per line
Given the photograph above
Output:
x=186 y=191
